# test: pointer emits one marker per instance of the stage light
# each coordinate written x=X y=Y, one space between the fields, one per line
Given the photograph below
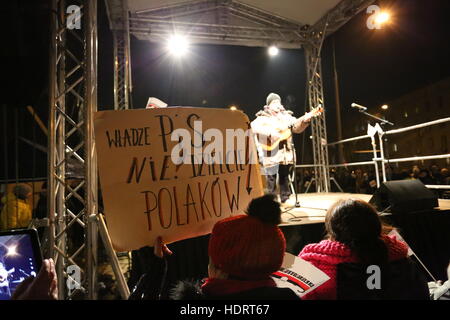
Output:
x=178 y=45
x=12 y=251
x=382 y=18
x=384 y=107
x=273 y=51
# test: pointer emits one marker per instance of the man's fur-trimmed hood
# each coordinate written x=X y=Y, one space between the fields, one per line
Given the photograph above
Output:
x=187 y=290
x=265 y=113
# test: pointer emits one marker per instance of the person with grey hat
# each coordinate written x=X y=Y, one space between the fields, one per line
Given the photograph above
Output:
x=273 y=128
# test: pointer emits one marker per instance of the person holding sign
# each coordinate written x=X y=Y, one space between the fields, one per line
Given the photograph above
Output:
x=355 y=235
x=244 y=251
x=273 y=128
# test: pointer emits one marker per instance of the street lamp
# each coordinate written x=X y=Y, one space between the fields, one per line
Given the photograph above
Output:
x=384 y=107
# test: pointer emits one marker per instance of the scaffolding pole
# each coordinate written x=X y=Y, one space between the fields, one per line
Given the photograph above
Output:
x=316 y=98
x=72 y=172
x=122 y=61
x=72 y=159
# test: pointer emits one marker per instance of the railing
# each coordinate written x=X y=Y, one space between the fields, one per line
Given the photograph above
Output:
x=381 y=159
x=418 y=126
x=438 y=186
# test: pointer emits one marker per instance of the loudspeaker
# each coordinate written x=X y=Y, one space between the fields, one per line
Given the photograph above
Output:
x=404 y=196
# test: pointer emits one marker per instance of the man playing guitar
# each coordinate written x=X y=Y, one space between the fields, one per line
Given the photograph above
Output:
x=273 y=129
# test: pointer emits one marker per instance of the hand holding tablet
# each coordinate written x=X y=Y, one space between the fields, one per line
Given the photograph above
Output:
x=23 y=274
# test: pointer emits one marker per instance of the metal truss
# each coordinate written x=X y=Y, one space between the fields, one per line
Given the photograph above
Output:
x=316 y=98
x=122 y=62
x=122 y=74
x=74 y=221
x=340 y=14
x=72 y=172
x=257 y=27
x=333 y=20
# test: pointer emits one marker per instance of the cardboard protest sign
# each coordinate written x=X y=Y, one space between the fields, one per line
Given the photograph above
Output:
x=299 y=275
x=173 y=172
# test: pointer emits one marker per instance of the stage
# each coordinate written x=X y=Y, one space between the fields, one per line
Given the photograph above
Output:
x=313 y=207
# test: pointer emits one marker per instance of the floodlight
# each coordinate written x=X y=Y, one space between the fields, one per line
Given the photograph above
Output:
x=273 y=51
x=178 y=45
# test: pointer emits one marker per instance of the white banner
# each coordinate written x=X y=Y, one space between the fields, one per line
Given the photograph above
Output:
x=299 y=275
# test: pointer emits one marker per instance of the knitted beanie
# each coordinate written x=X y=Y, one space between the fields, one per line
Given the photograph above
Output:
x=248 y=246
x=271 y=97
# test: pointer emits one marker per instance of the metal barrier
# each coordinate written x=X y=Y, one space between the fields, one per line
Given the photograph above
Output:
x=438 y=186
x=381 y=159
x=418 y=126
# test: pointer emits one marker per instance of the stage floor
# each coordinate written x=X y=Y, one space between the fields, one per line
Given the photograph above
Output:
x=313 y=207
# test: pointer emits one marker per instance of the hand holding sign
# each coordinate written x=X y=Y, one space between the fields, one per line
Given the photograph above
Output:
x=160 y=249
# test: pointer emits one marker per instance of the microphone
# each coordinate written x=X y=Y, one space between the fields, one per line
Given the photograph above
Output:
x=358 y=106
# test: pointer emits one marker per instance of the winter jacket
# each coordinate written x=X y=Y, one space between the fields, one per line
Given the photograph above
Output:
x=15 y=214
x=267 y=128
x=331 y=256
x=149 y=287
x=188 y=290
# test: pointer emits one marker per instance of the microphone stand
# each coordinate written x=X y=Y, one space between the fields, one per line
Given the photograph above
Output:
x=383 y=121
x=294 y=157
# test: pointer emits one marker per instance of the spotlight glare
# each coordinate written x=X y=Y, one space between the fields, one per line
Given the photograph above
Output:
x=385 y=107
x=382 y=18
x=273 y=51
x=178 y=45
x=12 y=251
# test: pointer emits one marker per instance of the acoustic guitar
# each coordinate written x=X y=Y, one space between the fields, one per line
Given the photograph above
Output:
x=285 y=134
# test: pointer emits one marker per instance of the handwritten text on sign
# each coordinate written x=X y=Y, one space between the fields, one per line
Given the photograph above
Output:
x=147 y=193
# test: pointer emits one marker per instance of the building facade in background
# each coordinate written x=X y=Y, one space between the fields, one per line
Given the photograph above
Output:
x=422 y=105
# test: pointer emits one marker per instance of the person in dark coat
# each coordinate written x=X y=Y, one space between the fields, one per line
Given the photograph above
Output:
x=244 y=251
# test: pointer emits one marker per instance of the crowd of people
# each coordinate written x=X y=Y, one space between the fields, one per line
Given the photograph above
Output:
x=364 y=180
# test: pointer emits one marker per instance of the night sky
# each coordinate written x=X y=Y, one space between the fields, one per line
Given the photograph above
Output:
x=374 y=66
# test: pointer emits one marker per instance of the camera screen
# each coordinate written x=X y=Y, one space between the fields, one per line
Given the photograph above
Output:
x=17 y=262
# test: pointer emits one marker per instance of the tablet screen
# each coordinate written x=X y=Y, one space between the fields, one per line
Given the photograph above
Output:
x=17 y=262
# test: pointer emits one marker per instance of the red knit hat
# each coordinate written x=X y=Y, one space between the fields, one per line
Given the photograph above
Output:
x=246 y=247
